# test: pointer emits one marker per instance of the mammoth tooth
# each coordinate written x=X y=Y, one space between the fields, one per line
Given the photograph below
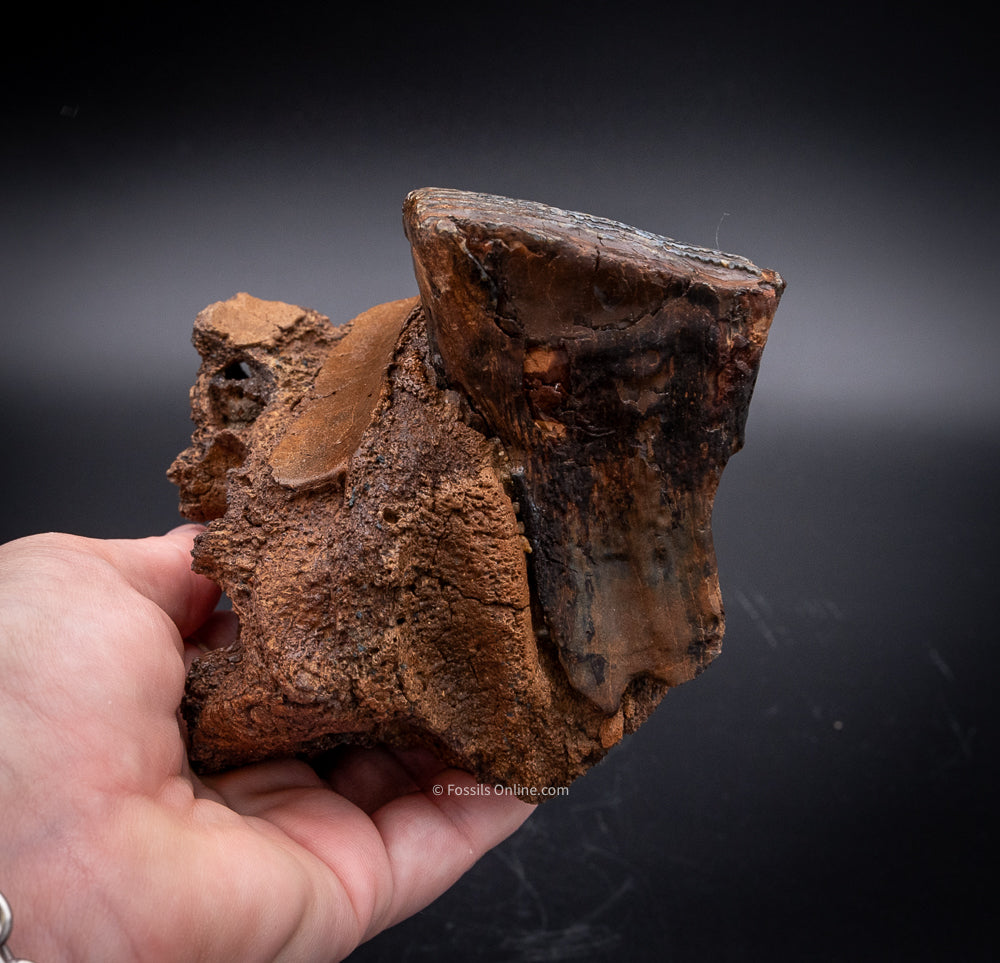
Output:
x=616 y=367
x=478 y=520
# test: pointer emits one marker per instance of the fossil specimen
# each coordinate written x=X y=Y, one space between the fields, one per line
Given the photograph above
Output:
x=477 y=520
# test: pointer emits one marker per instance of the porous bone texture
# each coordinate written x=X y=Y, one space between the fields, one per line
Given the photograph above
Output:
x=477 y=520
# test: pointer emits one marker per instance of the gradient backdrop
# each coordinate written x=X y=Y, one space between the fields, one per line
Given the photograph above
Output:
x=826 y=790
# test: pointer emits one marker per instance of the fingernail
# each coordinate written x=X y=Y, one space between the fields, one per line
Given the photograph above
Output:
x=188 y=528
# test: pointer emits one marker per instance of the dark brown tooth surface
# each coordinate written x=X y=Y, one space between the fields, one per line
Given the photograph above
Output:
x=616 y=367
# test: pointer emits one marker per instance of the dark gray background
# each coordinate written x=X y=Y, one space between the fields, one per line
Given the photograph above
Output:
x=825 y=790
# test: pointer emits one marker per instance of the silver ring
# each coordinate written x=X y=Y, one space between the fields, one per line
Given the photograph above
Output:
x=6 y=925
x=6 y=920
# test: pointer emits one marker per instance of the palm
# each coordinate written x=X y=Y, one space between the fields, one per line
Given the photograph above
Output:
x=117 y=845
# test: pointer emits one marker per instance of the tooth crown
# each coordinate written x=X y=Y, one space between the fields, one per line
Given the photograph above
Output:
x=616 y=367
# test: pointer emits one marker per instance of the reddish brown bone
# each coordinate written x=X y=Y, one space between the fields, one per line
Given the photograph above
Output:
x=369 y=489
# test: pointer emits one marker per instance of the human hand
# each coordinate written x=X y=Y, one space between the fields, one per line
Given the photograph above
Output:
x=112 y=849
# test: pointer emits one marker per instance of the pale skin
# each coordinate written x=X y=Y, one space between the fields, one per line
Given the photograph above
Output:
x=112 y=849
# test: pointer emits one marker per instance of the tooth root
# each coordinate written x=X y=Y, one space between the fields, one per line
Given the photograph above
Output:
x=616 y=367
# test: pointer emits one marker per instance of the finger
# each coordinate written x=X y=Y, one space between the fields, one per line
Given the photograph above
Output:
x=369 y=778
x=249 y=788
x=218 y=631
x=160 y=569
x=290 y=797
x=422 y=765
x=434 y=836
x=395 y=862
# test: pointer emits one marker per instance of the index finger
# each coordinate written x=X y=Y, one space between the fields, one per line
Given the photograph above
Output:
x=159 y=567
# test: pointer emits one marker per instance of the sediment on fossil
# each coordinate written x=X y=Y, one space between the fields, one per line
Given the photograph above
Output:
x=476 y=520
